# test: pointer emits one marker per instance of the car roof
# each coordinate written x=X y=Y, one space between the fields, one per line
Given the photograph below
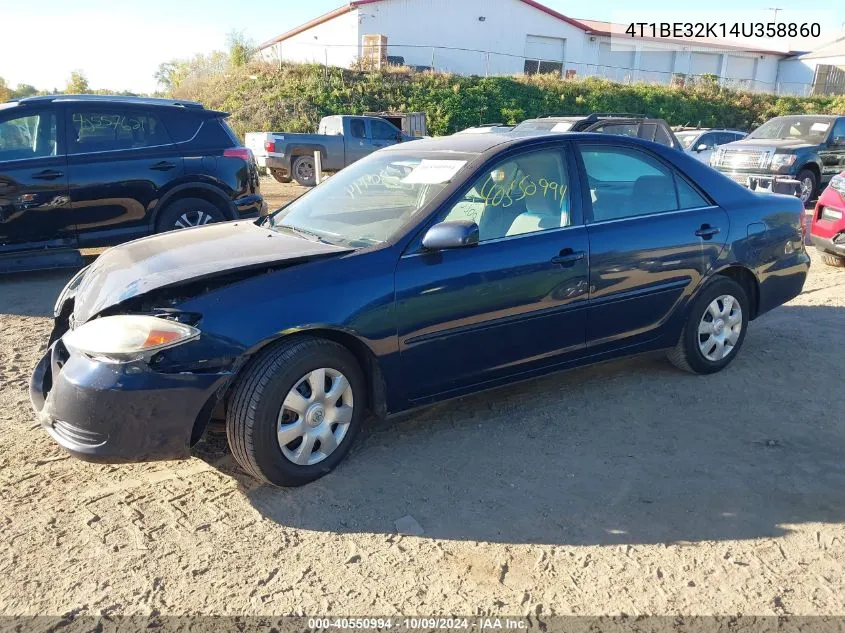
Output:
x=156 y=101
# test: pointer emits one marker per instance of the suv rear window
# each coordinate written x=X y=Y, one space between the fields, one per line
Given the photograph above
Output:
x=95 y=129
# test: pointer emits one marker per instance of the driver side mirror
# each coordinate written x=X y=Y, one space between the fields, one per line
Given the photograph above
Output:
x=701 y=147
x=447 y=235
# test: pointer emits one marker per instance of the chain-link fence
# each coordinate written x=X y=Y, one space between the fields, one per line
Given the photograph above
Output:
x=469 y=61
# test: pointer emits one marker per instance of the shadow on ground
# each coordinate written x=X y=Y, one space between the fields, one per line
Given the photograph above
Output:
x=625 y=452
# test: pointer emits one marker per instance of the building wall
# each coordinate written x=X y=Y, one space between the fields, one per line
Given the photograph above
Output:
x=413 y=26
x=335 y=42
x=796 y=74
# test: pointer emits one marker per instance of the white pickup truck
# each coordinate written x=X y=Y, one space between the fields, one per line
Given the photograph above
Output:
x=341 y=140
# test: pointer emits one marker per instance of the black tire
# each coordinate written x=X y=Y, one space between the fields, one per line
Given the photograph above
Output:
x=686 y=354
x=280 y=176
x=256 y=403
x=837 y=261
x=304 y=171
x=803 y=175
x=186 y=212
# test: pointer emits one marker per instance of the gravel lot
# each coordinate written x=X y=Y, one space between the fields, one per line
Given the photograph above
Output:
x=627 y=487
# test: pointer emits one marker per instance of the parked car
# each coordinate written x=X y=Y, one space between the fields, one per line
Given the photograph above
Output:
x=809 y=148
x=487 y=128
x=341 y=140
x=827 y=230
x=636 y=125
x=90 y=171
x=700 y=142
x=423 y=272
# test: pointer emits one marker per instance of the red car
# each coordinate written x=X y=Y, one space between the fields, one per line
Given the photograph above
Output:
x=827 y=231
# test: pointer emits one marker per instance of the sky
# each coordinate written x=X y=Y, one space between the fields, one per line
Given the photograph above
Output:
x=119 y=45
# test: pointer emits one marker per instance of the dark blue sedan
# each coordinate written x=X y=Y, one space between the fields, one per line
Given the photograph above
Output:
x=426 y=271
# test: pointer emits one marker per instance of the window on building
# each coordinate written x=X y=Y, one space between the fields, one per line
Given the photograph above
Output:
x=541 y=67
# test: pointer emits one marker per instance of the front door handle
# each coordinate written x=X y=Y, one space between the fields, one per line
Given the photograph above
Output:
x=163 y=166
x=567 y=257
x=48 y=174
x=706 y=231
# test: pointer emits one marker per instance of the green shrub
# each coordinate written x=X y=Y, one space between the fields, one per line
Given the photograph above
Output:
x=293 y=98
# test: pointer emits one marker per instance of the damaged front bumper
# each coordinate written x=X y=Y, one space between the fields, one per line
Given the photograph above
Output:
x=120 y=412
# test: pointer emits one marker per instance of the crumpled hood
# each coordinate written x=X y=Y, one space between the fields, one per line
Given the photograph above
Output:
x=138 y=267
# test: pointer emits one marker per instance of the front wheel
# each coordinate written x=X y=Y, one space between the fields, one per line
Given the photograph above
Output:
x=296 y=411
x=714 y=330
x=807 y=185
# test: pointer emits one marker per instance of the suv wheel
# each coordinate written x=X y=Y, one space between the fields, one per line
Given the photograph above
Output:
x=279 y=175
x=186 y=213
x=715 y=328
x=837 y=261
x=808 y=185
x=296 y=411
x=304 y=171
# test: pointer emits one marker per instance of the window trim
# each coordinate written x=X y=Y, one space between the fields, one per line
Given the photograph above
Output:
x=587 y=201
x=61 y=149
x=66 y=118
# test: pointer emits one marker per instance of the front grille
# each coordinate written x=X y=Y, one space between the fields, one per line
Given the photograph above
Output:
x=742 y=158
x=76 y=435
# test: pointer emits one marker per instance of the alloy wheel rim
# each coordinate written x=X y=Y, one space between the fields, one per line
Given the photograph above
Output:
x=806 y=189
x=315 y=416
x=192 y=218
x=719 y=328
x=305 y=170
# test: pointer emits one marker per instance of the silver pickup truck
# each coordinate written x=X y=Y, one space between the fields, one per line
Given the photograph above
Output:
x=340 y=139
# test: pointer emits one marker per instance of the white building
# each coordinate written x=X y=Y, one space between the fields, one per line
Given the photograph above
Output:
x=506 y=37
x=822 y=70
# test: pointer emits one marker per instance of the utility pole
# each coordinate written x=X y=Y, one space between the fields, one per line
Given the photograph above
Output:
x=776 y=10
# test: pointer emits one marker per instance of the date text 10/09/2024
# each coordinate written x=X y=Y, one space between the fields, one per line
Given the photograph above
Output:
x=420 y=623
x=693 y=30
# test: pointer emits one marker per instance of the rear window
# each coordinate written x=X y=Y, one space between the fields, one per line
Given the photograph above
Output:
x=215 y=133
x=181 y=125
x=95 y=129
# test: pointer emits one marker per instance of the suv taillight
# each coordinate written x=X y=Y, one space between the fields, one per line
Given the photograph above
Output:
x=270 y=147
x=238 y=152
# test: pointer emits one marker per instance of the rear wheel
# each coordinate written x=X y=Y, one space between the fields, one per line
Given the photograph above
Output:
x=304 y=171
x=280 y=175
x=296 y=411
x=807 y=185
x=834 y=260
x=186 y=213
x=715 y=328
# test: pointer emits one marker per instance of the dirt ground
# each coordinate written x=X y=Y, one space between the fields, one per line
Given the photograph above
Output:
x=627 y=487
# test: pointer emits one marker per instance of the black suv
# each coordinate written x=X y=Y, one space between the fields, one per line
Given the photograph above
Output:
x=81 y=171
x=621 y=123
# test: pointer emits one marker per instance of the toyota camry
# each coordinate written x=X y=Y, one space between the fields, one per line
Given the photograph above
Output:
x=423 y=272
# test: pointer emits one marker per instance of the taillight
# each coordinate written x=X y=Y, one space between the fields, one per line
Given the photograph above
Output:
x=270 y=147
x=238 y=152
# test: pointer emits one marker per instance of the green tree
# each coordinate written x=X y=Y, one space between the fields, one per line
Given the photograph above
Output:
x=24 y=90
x=5 y=93
x=241 y=48
x=77 y=84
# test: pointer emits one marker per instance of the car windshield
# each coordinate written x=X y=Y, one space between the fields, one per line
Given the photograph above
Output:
x=369 y=201
x=804 y=128
x=686 y=138
x=545 y=125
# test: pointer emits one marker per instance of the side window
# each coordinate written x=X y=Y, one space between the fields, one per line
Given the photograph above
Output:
x=32 y=135
x=662 y=137
x=524 y=194
x=356 y=128
x=838 y=130
x=100 y=130
x=627 y=183
x=383 y=131
x=708 y=139
x=622 y=129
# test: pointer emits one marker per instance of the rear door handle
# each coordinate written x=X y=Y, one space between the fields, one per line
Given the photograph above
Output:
x=706 y=231
x=163 y=166
x=48 y=174
x=567 y=257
